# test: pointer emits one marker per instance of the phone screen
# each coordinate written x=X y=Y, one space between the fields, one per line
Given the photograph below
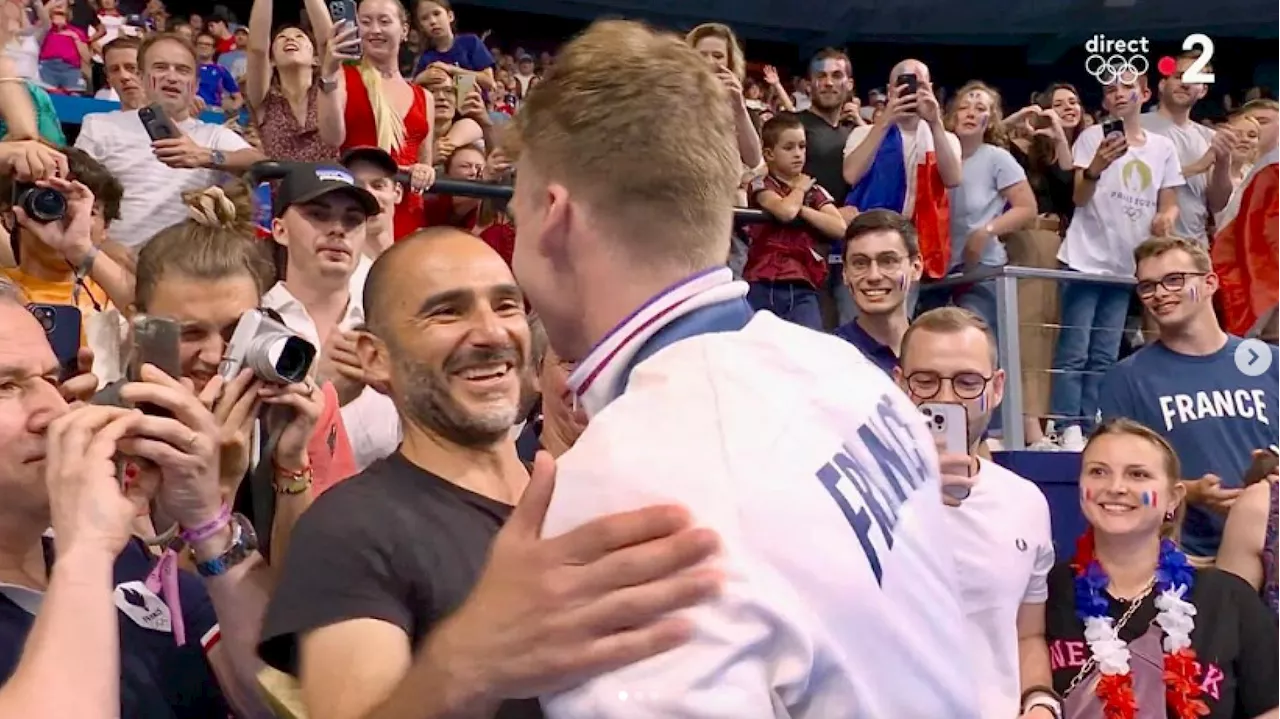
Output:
x=1112 y=127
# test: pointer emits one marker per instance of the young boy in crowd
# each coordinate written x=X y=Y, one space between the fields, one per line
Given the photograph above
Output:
x=217 y=87
x=786 y=263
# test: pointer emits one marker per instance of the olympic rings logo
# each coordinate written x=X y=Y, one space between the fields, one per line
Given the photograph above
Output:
x=1116 y=68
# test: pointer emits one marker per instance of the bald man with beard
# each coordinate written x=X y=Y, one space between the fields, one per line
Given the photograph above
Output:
x=432 y=531
x=906 y=161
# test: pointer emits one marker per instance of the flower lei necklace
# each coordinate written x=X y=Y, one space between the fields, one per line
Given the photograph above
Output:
x=1173 y=581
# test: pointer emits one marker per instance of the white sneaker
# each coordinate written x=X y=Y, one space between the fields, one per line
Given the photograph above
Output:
x=1072 y=439
x=1044 y=444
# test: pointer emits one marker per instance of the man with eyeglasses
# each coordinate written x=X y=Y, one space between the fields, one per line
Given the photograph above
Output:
x=1190 y=386
x=881 y=263
x=1000 y=522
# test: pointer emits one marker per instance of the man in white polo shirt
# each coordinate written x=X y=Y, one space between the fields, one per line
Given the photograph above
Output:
x=840 y=596
x=1000 y=521
x=156 y=174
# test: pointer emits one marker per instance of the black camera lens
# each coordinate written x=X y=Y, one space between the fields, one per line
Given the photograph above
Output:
x=42 y=204
x=938 y=420
x=45 y=317
x=295 y=360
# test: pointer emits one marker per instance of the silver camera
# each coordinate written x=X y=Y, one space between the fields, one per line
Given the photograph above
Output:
x=275 y=353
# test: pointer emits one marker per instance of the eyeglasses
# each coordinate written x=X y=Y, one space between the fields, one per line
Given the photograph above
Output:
x=1173 y=282
x=886 y=261
x=966 y=385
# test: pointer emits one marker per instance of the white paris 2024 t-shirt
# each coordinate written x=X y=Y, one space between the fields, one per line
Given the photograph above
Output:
x=1104 y=233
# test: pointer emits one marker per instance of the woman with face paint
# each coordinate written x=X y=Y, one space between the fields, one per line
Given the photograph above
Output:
x=991 y=182
x=1134 y=629
x=1043 y=134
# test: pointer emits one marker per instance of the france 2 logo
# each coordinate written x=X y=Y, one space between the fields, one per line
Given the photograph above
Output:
x=1111 y=60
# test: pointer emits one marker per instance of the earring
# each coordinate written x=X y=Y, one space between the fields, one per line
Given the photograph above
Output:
x=1168 y=516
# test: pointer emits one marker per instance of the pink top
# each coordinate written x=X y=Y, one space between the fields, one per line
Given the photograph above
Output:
x=59 y=45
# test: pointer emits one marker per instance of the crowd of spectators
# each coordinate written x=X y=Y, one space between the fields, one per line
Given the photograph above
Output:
x=378 y=536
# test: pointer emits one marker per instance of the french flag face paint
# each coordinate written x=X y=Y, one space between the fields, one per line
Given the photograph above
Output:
x=1148 y=499
x=1194 y=293
x=982 y=402
x=902 y=283
x=1088 y=494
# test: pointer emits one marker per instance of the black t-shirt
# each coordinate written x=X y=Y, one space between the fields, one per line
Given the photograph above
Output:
x=1053 y=186
x=1235 y=640
x=158 y=678
x=824 y=159
x=395 y=543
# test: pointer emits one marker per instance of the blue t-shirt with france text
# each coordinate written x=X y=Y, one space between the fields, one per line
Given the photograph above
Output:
x=1212 y=414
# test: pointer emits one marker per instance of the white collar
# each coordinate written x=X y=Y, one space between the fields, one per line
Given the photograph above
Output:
x=598 y=379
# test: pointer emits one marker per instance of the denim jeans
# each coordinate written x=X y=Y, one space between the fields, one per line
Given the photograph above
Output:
x=60 y=75
x=1088 y=342
x=846 y=308
x=792 y=301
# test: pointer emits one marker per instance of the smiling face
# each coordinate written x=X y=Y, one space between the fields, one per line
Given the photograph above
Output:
x=1126 y=486
x=1174 y=290
x=382 y=27
x=207 y=310
x=292 y=48
x=453 y=335
x=1067 y=104
x=879 y=271
x=1248 y=133
x=1179 y=95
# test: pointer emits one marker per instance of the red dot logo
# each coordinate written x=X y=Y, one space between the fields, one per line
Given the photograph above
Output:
x=1167 y=66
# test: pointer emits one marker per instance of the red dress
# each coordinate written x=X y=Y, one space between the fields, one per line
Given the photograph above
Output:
x=361 y=132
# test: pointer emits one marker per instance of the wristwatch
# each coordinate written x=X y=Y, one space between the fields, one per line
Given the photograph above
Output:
x=328 y=84
x=244 y=542
x=217 y=159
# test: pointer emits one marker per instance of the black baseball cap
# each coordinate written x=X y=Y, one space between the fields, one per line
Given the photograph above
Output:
x=308 y=181
x=375 y=156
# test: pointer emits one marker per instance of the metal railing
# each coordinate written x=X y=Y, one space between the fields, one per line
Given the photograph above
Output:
x=1005 y=280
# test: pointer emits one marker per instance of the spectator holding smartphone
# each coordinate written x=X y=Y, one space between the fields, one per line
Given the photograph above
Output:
x=1124 y=194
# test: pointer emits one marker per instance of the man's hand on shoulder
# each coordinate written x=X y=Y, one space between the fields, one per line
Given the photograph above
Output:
x=550 y=613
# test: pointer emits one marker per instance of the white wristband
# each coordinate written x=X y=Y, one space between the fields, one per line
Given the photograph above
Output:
x=1046 y=701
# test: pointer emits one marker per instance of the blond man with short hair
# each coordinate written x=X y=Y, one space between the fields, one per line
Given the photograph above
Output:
x=823 y=484
x=1190 y=385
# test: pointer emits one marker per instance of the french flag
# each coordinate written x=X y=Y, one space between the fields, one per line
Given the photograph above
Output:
x=885 y=186
x=1246 y=250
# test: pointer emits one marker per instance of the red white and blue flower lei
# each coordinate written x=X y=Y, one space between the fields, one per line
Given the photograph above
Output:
x=1174 y=579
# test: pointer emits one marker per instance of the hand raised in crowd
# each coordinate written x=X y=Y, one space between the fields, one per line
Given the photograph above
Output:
x=235 y=406
x=1208 y=492
x=31 y=160
x=1024 y=116
x=1111 y=149
x=927 y=103
x=183 y=446
x=421 y=177
x=548 y=613
x=1223 y=144
x=306 y=400
x=343 y=45
x=957 y=473
x=90 y=509
x=80 y=386
x=497 y=167
x=771 y=75
x=70 y=236
x=340 y=365
x=851 y=111
x=900 y=104
x=182 y=153
x=732 y=84
x=473 y=107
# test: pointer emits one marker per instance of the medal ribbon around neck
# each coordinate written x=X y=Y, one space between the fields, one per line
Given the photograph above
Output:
x=1173 y=581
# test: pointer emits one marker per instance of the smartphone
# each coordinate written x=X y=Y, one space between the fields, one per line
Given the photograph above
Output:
x=911 y=81
x=155 y=342
x=463 y=83
x=157 y=124
x=950 y=423
x=1114 y=126
x=344 y=11
x=61 y=325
